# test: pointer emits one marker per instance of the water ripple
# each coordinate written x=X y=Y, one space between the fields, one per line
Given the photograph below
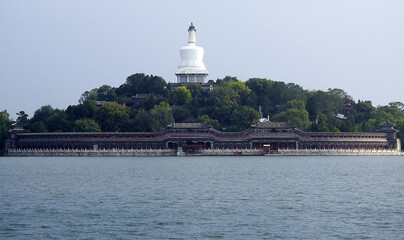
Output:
x=202 y=198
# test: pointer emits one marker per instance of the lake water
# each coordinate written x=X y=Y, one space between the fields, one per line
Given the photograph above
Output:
x=202 y=198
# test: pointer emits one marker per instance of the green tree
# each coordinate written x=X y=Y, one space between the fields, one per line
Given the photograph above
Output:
x=398 y=105
x=180 y=113
x=213 y=122
x=199 y=98
x=224 y=101
x=58 y=122
x=364 y=111
x=298 y=104
x=242 y=90
x=5 y=123
x=38 y=123
x=298 y=117
x=296 y=114
x=323 y=120
x=106 y=93
x=297 y=91
x=88 y=95
x=339 y=93
x=160 y=116
x=82 y=111
x=111 y=116
x=182 y=96
x=225 y=80
x=261 y=91
x=400 y=127
x=141 y=83
x=243 y=117
x=261 y=86
x=272 y=96
x=86 y=125
x=280 y=95
x=38 y=127
x=42 y=113
x=339 y=97
x=319 y=102
x=348 y=125
x=142 y=121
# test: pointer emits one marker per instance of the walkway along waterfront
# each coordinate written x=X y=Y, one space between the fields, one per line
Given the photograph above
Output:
x=200 y=139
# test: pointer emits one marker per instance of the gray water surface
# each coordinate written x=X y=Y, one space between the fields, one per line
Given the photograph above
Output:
x=202 y=198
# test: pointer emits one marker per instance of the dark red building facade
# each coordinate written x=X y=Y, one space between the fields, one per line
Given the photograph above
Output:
x=271 y=137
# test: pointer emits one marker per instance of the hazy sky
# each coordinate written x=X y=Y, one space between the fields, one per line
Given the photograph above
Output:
x=53 y=51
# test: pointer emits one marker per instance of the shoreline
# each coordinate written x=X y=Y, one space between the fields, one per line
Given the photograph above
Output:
x=210 y=152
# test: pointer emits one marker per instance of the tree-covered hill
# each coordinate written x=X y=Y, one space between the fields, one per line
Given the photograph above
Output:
x=147 y=103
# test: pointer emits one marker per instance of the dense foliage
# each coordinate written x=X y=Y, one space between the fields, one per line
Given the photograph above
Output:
x=5 y=123
x=232 y=105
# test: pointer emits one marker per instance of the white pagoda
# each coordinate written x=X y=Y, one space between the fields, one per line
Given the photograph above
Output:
x=191 y=69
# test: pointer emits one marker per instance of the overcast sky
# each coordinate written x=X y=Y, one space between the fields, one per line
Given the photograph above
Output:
x=53 y=51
